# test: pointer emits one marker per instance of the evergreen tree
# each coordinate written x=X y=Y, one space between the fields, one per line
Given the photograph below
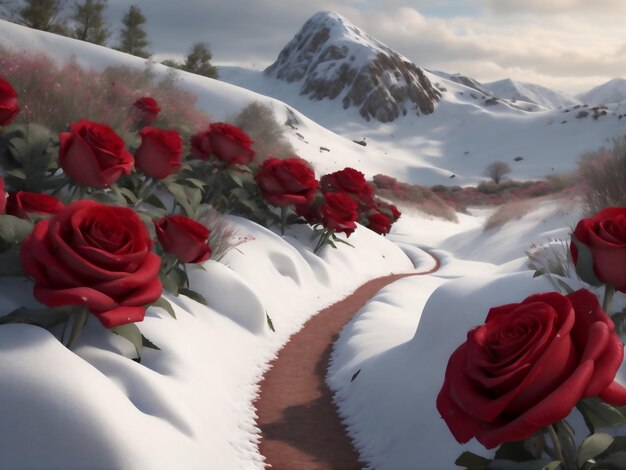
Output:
x=89 y=22
x=133 y=39
x=198 y=61
x=42 y=14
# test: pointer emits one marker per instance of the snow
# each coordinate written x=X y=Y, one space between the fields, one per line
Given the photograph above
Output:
x=530 y=92
x=189 y=405
x=613 y=91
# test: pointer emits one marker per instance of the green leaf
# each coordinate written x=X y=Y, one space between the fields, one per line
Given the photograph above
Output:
x=79 y=317
x=169 y=283
x=516 y=451
x=154 y=200
x=146 y=343
x=131 y=332
x=598 y=414
x=593 y=446
x=472 y=461
x=180 y=196
x=10 y=264
x=13 y=229
x=613 y=461
x=540 y=464
x=45 y=318
x=584 y=264
x=192 y=294
x=165 y=304
x=270 y=323
x=198 y=183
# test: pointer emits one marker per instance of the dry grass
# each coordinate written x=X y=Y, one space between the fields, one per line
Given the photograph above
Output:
x=508 y=212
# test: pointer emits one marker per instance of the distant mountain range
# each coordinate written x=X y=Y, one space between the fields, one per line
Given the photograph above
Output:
x=332 y=59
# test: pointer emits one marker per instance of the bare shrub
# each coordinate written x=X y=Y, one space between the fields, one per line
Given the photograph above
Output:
x=56 y=95
x=259 y=122
x=551 y=258
x=603 y=177
x=223 y=236
x=507 y=212
x=497 y=170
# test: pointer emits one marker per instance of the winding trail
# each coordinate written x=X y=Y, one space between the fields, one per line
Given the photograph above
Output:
x=300 y=427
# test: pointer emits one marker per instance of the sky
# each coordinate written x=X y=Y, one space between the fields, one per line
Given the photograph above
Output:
x=567 y=45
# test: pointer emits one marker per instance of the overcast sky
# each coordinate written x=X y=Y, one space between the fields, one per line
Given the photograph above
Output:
x=568 y=45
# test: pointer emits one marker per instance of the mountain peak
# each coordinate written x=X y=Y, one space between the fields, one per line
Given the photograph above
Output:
x=334 y=59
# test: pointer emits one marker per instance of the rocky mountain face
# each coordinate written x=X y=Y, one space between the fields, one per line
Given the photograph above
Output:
x=333 y=59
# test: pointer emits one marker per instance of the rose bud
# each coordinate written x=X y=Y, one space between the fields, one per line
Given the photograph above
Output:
x=160 y=152
x=604 y=235
x=224 y=141
x=145 y=111
x=22 y=203
x=379 y=223
x=184 y=238
x=92 y=154
x=340 y=213
x=286 y=182
x=8 y=102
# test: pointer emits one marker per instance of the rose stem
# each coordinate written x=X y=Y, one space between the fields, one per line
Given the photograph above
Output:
x=609 y=291
x=322 y=240
x=283 y=219
x=556 y=445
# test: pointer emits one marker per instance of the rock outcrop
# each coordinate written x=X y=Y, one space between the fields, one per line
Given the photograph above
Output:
x=333 y=59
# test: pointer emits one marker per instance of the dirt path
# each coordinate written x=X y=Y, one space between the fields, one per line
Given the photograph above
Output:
x=300 y=428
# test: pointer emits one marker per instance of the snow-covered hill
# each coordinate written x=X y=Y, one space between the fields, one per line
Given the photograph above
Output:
x=613 y=91
x=531 y=93
x=467 y=132
x=330 y=58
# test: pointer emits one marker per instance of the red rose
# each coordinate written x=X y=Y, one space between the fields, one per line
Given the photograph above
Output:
x=184 y=237
x=379 y=223
x=159 y=153
x=395 y=213
x=605 y=235
x=145 y=110
x=340 y=213
x=223 y=141
x=286 y=182
x=8 y=102
x=3 y=196
x=21 y=203
x=97 y=256
x=93 y=155
x=348 y=181
x=528 y=366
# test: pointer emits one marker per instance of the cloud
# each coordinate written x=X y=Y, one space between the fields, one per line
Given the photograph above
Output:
x=493 y=39
x=552 y=7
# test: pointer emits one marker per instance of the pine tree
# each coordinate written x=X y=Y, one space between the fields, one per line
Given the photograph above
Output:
x=198 y=61
x=89 y=22
x=42 y=14
x=133 y=39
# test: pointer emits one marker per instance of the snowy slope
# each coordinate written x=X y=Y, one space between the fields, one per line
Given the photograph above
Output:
x=530 y=93
x=613 y=91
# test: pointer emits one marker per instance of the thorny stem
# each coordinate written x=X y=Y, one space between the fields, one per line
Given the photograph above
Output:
x=283 y=219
